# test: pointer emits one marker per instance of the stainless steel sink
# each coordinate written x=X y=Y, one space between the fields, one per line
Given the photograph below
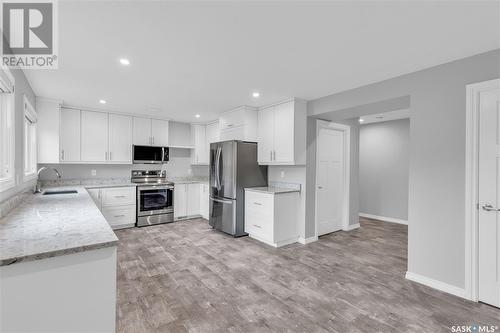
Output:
x=50 y=192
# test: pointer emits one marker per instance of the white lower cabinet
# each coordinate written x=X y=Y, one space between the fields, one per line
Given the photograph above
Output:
x=190 y=200
x=271 y=217
x=117 y=204
x=204 y=195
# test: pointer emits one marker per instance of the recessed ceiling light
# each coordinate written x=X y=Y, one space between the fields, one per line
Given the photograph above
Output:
x=256 y=94
x=124 y=61
x=102 y=101
x=197 y=116
x=361 y=120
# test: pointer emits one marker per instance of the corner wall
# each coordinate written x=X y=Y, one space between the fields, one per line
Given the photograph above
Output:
x=384 y=168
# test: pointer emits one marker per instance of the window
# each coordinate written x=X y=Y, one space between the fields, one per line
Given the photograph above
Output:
x=7 y=133
x=29 y=140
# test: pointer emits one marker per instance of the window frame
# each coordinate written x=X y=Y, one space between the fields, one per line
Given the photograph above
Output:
x=8 y=101
x=29 y=148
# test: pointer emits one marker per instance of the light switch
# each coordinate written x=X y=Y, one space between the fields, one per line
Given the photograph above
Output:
x=93 y=172
x=282 y=174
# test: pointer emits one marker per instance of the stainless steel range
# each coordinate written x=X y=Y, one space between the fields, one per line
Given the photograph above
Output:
x=155 y=197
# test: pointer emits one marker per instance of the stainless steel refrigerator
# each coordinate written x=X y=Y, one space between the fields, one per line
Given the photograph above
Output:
x=233 y=166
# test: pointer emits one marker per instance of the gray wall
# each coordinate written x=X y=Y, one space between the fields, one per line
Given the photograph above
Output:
x=436 y=211
x=384 y=157
x=22 y=87
x=178 y=165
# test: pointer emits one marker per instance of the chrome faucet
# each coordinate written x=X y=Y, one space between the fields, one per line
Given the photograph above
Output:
x=38 y=187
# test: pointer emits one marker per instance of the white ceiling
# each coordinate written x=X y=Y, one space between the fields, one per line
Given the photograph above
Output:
x=385 y=116
x=208 y=57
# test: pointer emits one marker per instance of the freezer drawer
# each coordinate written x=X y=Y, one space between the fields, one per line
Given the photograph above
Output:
x=222 y=216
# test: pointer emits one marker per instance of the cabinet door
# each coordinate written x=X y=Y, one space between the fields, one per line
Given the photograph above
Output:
x=94 y=136
x=283 y=133
x=204 y=200
x=70 y=135
x=199 y=154
x=265 y=135
x=213 y=133
x=159 y=132
x=180 y=200
x=193 y=199
x=142 y=131
x=120 y=138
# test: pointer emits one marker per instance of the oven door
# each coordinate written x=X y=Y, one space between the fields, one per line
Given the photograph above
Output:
x=155 y=199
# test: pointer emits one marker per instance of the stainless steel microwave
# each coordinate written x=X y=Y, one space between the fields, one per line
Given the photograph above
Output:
x=149 y=155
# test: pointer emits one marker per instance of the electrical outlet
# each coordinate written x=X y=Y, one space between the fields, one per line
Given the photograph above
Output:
x=93 y=172
x=282 y=174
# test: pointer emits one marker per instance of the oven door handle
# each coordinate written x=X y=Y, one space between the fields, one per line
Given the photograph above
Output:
x=155 y=187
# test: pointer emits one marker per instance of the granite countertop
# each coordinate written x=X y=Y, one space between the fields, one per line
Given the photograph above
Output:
x=45 y=226
x=272 y=190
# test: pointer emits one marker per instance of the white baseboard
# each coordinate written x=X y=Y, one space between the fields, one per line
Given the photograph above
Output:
x=351 y=227
x=384 y=218
x=308 y=240
x=447 y=288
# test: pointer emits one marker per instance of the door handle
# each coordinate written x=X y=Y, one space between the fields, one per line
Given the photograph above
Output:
x=221 y=201
x=490 y=208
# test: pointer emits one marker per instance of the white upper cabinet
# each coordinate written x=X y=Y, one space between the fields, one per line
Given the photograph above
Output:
x=94 y=136
x=48 y=126
x=265 y=147
x=150 y=132
x=159 y=132
x=120 y=138
x=179 y=135
x=282 y=134
x=213 y=133
x=69 y=136
x=199 y=154
x=239 y=124
x=142 y=131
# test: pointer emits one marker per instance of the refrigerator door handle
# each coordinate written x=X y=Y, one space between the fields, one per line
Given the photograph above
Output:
x=222 y=201
x=217 y=168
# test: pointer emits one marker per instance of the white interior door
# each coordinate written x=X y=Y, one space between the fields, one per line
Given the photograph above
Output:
x=489 y=187
x=330 y=180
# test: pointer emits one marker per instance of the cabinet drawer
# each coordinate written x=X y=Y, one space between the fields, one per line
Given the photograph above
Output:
x=259 y=226
x=259 y=203
x=118 y=196
x=120 y=215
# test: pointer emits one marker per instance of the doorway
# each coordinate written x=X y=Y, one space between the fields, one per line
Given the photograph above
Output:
x=332 y=177
x=482 y=191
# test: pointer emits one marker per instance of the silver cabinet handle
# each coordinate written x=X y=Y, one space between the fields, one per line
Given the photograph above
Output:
x=110 y=156
x=119 y=215
x=106 y=155
x=62 y=155
x=120 y=196
x=257 y=203
x=153 y=139
x=271 y=155
x=257 y=226
x=274 y=155
x=490 y=208
x=320 y=187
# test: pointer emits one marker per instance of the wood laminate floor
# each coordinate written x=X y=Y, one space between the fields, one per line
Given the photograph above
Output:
x=185 y=277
